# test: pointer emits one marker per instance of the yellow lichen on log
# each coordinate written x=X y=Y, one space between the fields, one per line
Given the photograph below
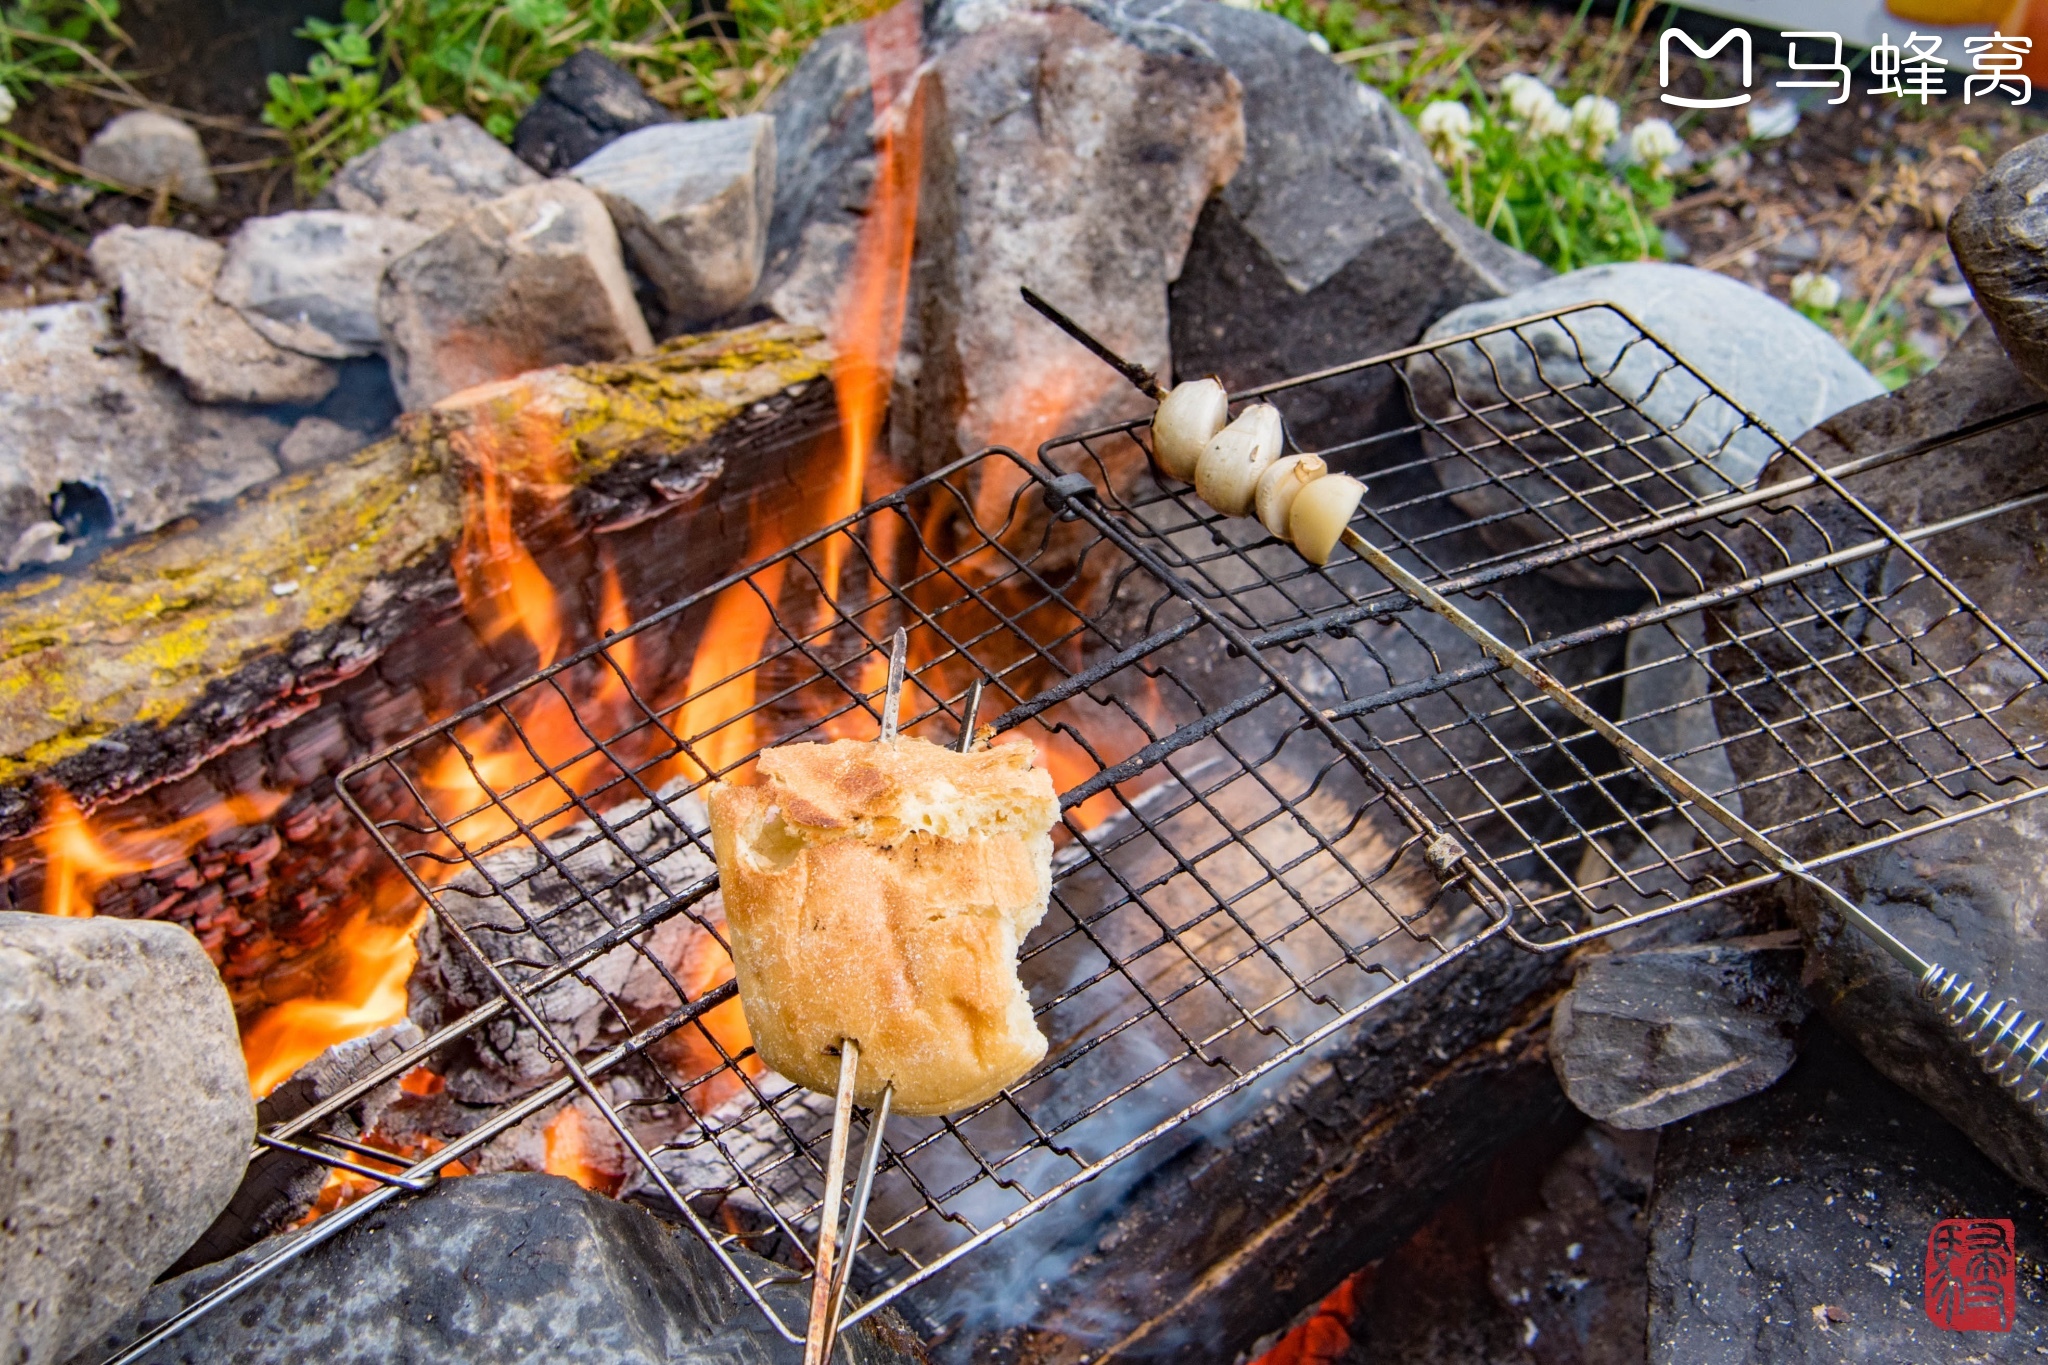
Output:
x=136 y=635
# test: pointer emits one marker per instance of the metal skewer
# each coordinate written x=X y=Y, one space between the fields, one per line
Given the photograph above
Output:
x=2008 y=1042
x=831 y=1266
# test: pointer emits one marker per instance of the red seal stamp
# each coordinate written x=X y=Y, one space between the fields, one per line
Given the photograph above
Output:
x=1970 y=1267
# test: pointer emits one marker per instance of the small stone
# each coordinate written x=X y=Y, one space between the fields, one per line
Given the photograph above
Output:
x=315 y=441
x=1766 y=358
x=430 y=174
x=1999 y=234
x=126 y=1116
x=166 y=281
x=308 y=281
x=86 y=420
x=1646 y=1038
x=532 y=279
x=148 y=151
x=515 y=1267
x=692 y=203
x=584 y=103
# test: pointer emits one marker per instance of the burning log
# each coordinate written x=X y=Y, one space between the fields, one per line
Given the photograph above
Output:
x=195 y=691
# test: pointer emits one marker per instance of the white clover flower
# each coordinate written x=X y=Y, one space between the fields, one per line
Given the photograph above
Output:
x=1822 y=293
x=1446 y=128
x=6 y=104
x=1596 y=120
x=1551 y=120
x=1652 y=143
x=1527 y=97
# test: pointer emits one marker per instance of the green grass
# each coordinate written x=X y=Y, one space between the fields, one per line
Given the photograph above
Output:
x=46 y=43
x=388 y=62
x=1878 y=334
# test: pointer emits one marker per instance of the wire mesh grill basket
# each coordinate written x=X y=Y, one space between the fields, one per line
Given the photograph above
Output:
x=1289 y=793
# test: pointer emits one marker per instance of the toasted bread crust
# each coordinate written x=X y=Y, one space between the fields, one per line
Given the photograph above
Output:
x=880 y=892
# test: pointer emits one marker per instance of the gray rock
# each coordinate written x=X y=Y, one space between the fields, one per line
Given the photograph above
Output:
x=1969 y=896
x=315 y=440
x=518 y=1269
x=166 y=279
x=148 y=151
x=586 y=102
x=1999 y=234
x=125 y=1119
x=1051 y=161
x=824 y=177
x=1646 y=1038
x=692 y=203
x=80 y=408
x=525 y=281
x=308 y=281
x=1766 y=358
x=430 y=174
x=1793 y=1227
x=1334 y=241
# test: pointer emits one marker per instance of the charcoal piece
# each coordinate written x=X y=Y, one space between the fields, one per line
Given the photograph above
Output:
x=504 y=1268
x=1646 y=1038
x=1999 y=234
x=1793 y=1226
x=125 y=1119
x=584 y=103
x=1968 y=896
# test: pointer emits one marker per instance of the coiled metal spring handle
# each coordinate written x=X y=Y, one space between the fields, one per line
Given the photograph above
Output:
x=2010 y=1044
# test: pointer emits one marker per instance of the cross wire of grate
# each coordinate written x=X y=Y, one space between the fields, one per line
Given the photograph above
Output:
x=1738 y=608
x=1235 y=880
x=1289 y=793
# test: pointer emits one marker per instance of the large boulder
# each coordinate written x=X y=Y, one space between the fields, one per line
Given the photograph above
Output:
x=532 y=279
x=1335 y=240
x=586 y=102
x=125 y=1119
x=1969 y=896
x=1793 y=1227
x=165 y=279
x=516 y=1269
x=1646 y=1038
x=308 y=281
x=824 y=175
x=86 y=420
x=430 y=174
x=1537 y=384
x=1058 y=156
x=1999 y=234
x=152 y=152
x=692 y=203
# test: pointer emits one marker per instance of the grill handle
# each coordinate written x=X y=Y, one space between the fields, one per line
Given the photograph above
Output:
x=2009 y=1043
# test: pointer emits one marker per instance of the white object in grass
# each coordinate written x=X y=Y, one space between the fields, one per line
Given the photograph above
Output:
x=1446 y=128
x=1596 y=122
x=1652 y=144
x=1822 y=293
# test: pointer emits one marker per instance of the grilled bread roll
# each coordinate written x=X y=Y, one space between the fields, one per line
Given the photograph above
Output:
x=878 y=891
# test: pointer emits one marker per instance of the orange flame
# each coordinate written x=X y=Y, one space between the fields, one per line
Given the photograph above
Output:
x=366 y=994
x=503 y=589
x=868 y=328
x=1326 y=1336
x=575 y=1149
x=79 y=859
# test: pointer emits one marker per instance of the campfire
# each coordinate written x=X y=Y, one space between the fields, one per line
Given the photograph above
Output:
x=1369 y=697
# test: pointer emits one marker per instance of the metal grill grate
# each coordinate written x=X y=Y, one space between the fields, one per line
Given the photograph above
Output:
x=1289 y=792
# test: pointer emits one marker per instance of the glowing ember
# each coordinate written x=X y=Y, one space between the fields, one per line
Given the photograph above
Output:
x=80 y=858
x=1326 y=1336
x=583 y=1151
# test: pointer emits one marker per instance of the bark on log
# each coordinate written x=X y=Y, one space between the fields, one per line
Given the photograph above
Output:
x=258 y=651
